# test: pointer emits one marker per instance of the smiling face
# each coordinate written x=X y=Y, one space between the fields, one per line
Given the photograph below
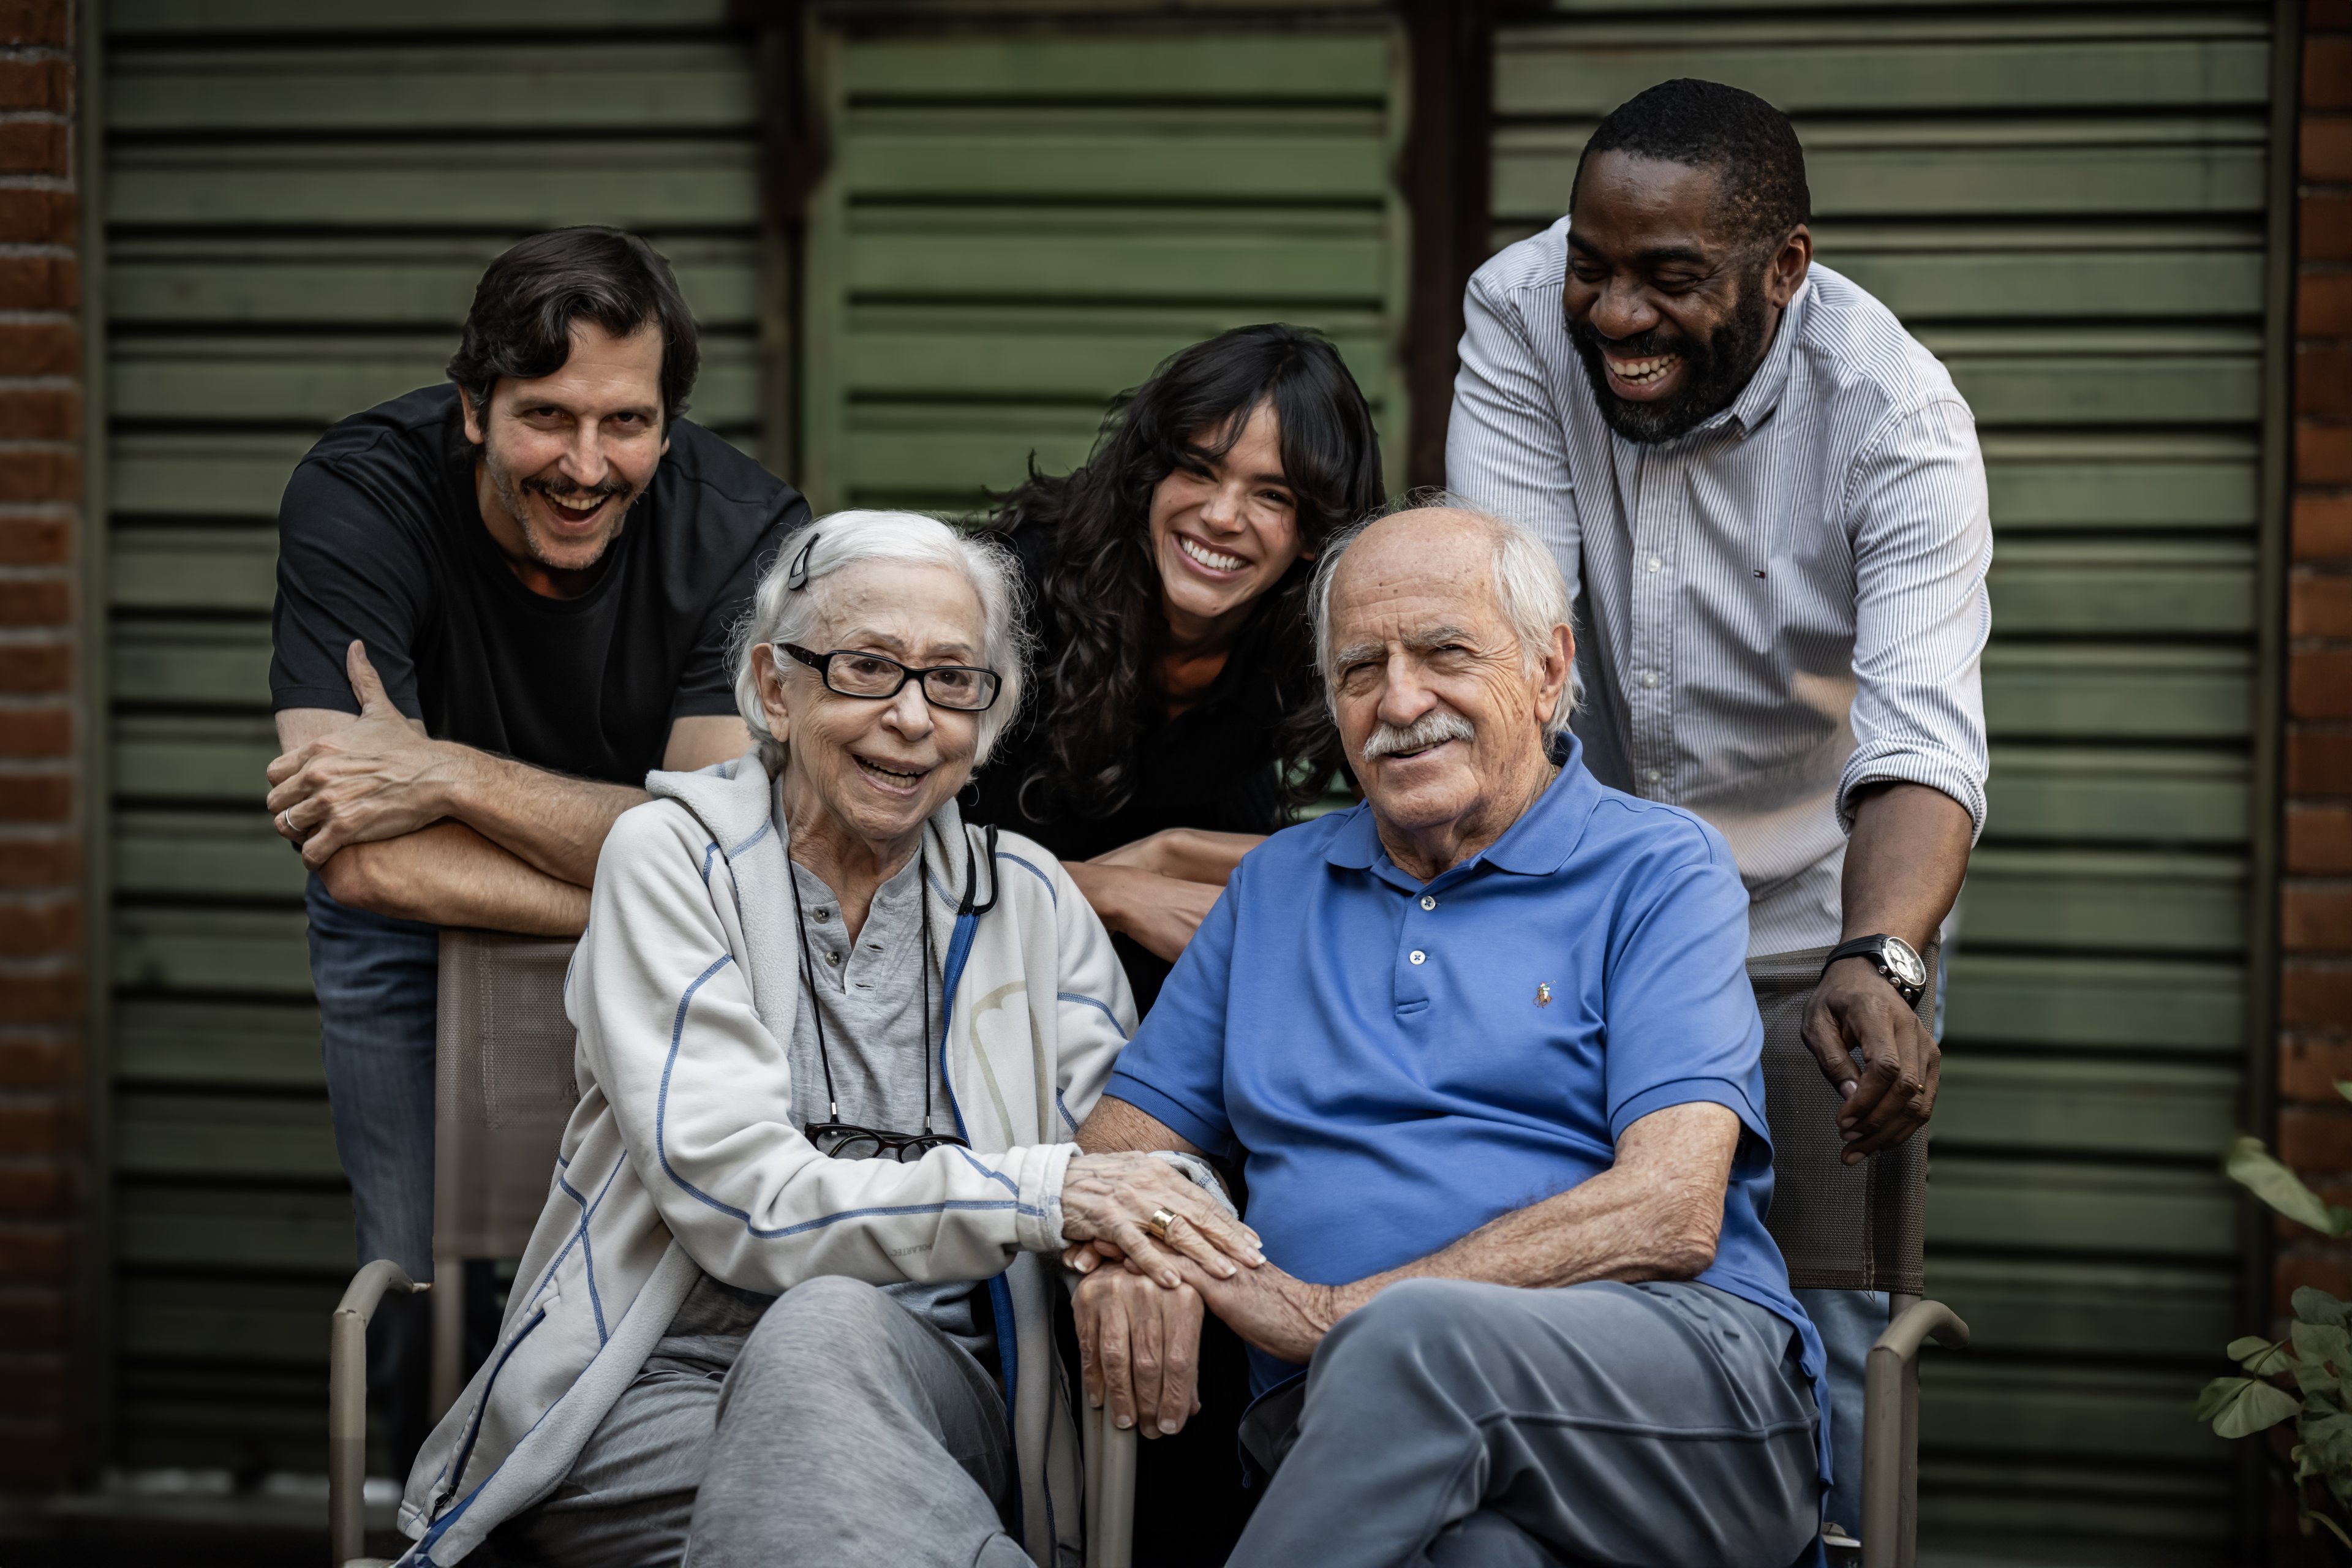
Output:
x=1224 y=530
x=1437 y=705
x=868 y=771
x=563 y=457
x=1670 y=308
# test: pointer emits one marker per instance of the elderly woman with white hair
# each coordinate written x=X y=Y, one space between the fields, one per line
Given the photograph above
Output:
x=791 y=1297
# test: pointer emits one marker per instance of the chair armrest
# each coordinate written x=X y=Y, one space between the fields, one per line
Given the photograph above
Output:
x=347 y=1404
x=1890 y=1431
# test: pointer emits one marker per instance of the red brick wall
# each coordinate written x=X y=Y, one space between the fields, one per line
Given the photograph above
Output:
x=42 y=1129
x=2316 y=899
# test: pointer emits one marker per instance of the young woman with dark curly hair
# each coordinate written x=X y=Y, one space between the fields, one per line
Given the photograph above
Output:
x=1179 y=714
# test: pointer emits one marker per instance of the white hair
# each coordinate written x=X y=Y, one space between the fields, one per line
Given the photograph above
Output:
x=1528 y=588
x=792 y=602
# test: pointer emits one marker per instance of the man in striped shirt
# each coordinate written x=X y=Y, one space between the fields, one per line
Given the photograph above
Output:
x=1769 y=501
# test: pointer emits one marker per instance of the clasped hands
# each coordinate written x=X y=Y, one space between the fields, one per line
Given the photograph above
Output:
x=1139 y=1311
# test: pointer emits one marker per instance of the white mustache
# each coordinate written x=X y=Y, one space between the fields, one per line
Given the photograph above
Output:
x=1431 y=728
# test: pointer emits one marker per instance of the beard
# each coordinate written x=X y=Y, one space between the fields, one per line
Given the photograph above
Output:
x=1720 y=367
x=511 y=490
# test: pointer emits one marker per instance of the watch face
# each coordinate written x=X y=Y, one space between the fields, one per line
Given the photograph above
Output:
x=1903 y=963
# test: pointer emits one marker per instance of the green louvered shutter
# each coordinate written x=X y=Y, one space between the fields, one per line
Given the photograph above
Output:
x=1017 y=224
x=2067 y=205
x=299 y=199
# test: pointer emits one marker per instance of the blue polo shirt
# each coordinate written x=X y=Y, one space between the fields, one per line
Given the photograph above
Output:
x=1402 y=1062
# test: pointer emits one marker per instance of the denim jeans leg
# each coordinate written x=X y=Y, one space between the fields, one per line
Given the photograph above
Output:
x=377 y=981
x=1850 y=1323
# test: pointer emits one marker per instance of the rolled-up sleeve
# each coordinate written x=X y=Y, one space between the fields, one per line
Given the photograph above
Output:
x=1917 y=511
x=1506 y=445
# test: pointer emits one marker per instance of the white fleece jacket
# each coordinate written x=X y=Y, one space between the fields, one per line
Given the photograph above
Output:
x=682 y=1156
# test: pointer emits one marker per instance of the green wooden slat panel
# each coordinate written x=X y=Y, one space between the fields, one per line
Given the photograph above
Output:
x=212 y=952
x=184 y=281
x=2066 y=286
x=227 y=1320
x=2042 y=588
x=196 y=1043
x=2098 y=900
x=222 y=1421
x=555 y=84
x=1044 y=67
x=510 y=186
x=2131 y=693
x=2084 y=390
x=2176 y=1518
x=2094 y=1106
x=317 y=381
x=2079 y=794
x=1124 y=156
x=2050 y=1307
x=194 y=854
x=943 y=459
x=141 y=18
x=226 y=475
x=214 y=759
x=2132 y=1006
x=981 y=359
x=1559 y=72
x=2081 y=1210
x=201 y=663
x=193 y=568
x=224 y=1135
x=1533 y=172
x=232 y=1228
x=2128 y=483
x=1975 y=1403
x=1195 y=262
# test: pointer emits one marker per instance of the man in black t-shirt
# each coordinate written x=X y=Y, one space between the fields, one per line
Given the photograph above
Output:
x=500 y=605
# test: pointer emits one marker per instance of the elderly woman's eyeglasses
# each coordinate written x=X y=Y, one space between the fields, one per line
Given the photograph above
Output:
x=850 y=673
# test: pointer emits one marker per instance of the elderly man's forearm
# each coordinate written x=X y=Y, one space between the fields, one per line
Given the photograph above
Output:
x=449 y=875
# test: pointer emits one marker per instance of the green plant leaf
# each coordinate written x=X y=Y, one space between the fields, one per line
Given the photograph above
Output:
x=2251 y=1167
x=2323 y=1342
x=2241 y=1406
x=2268 y=1359
x=2343 y=1087
x=2242 y=1348
x=2312 y=1305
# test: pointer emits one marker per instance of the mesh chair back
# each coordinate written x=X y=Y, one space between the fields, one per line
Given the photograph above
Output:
x=503 y=1088
x=1840 y=1227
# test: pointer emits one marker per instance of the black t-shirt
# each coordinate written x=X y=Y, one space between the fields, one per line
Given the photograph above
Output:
x=380 y=537
x=1212 y=766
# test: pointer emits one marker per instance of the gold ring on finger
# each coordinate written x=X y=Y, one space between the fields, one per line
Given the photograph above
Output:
x=1161 y=1218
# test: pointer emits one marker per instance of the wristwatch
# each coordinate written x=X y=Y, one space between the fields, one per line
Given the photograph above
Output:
x=1892 y=957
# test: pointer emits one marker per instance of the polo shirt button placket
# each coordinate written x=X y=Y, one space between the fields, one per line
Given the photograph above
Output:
x=1417 y=956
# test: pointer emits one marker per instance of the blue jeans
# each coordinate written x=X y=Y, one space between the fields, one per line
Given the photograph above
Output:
x=378 y=981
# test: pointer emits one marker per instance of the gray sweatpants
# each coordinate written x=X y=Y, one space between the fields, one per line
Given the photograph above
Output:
x=834 y=1427
x=1448 y=1423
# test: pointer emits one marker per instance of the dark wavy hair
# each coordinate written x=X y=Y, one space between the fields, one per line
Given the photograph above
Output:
x=525 y=305
x=1102 y=597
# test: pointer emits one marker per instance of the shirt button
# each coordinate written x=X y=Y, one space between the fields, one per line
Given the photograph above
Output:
x=1649 y=775
x=1417 y=955
x=1649 y=677
x=833 y=958
x=1653 y=563
x=1427 y=902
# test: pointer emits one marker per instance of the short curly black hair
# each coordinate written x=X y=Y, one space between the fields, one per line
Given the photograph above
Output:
x=525 y=305
x=1707 y=125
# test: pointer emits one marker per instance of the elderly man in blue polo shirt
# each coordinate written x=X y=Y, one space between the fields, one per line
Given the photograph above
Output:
x=1488 y=1047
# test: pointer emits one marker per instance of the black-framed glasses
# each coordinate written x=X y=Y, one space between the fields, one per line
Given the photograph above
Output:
x=846 y=1140
x=850 y=673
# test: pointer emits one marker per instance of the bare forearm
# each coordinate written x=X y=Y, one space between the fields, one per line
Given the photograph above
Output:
x=1113 y=1126
x=1905 y=863
x=449 y=875
x=554 y=822
x=1197 y=855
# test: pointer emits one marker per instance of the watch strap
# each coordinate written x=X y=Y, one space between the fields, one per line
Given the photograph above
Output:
x=1873 y=948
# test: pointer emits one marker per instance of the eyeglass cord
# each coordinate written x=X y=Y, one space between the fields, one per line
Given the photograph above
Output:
x=816 y=1012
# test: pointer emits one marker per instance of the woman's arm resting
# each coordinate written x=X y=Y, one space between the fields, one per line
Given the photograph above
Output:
x=1160 y=913
x=1188 y=854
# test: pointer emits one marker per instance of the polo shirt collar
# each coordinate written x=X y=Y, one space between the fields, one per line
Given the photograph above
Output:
x=1537 y=845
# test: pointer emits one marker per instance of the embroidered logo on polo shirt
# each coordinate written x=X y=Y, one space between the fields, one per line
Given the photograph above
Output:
x=1543 y=993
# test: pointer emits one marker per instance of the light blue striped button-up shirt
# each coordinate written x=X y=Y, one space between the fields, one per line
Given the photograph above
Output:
x=1782 y=606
